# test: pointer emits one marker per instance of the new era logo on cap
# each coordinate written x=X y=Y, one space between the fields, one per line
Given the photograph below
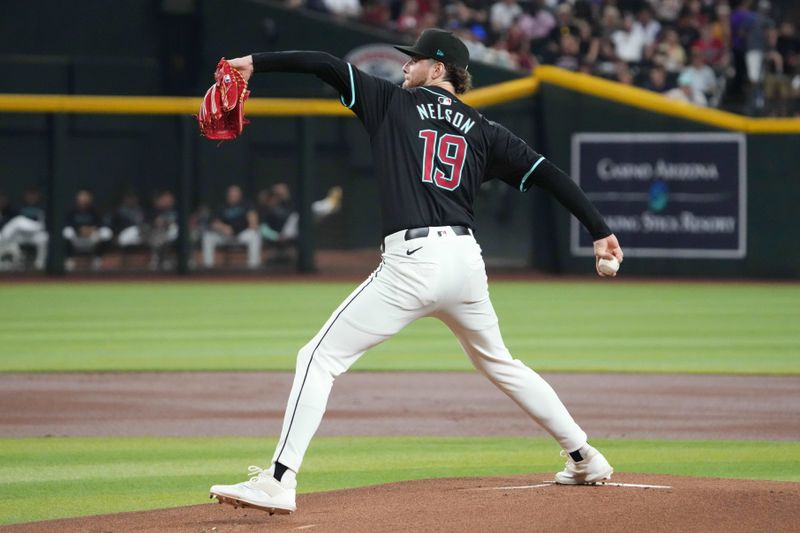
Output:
x=440 y=45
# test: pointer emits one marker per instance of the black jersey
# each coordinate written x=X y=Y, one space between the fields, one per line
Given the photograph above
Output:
x=431 y=151
x=78 y=218
x=235 y=216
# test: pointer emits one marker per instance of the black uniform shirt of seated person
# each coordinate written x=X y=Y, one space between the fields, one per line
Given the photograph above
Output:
x=127 y=216
x=78 y=218
x=32 y=212
x=275 y=216
x=235 y=216
x=164 y=217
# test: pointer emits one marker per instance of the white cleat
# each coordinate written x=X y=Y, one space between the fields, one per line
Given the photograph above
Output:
x=262 y=492
x=592 y=469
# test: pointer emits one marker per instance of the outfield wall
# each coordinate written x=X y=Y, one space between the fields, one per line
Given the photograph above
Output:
x=764 y=204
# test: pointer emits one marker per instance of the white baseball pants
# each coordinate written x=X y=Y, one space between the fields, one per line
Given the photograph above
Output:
x=23 y=230
x=445 y=278
x=249 y=237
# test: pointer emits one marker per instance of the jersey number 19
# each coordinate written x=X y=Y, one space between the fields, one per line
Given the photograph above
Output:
x=448 y=149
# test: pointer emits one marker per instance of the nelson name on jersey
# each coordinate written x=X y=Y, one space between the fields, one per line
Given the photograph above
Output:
x=435 y=112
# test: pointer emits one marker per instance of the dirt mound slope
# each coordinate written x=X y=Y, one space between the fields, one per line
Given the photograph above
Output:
x=521 y=503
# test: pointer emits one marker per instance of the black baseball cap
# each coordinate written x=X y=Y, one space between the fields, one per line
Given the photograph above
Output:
x=439 y=45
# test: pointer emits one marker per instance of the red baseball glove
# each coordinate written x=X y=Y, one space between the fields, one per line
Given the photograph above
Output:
x=221 y=114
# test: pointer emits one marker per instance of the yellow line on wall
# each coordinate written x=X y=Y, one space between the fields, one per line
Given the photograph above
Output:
x=635 y=97
x=159 y=105
x=502 y=92
x=483 y=97
x=133 y=105
x=162 y=105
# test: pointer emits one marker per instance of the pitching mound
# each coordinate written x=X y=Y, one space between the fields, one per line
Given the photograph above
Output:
x=636 y=502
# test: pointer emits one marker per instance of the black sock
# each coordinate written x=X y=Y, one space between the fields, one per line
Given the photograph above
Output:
x=279 y=471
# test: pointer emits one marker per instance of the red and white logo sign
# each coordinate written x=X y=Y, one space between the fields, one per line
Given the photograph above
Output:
x=379 y=60
x=443 y=100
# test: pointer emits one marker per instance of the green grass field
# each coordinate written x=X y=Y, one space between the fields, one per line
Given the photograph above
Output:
x=586 y=326
x=61 y=477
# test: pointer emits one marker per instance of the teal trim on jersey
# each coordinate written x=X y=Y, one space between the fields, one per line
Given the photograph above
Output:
x=525 y=177
x=352 y=90
x=438 y=94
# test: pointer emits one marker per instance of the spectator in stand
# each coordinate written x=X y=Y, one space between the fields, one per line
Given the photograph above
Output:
x=683 y=92
x=472 y=17
x=622 y=73
x=127 y=221
x=377 y=13
x=701 y=79
x=606 y=58
x=610 y=22
x=500 y=56
x=568 y=56
x=721 y=28
x=344 y=9
x=668 y=10
x=584 y=10
x=477 y=49
x=27 y=228
x=565 y=25
x=739 y=20
x=696 y=13
x=589 y=43
x=519 y=47
x=537 y=24
x=163 y=223
x=755 y=36
x=657 y=80
x=788 y=45
x=502 y=15
x=84 y=231
x=670 y=53
x=236 y=222
x=712 y=49
x=409 y=20
x=429 y=20
x=520 y=35
x=688 y=29
x=647 y=25
x=629 y=41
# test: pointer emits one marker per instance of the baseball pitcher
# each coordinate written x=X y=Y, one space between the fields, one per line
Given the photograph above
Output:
x=431 y=153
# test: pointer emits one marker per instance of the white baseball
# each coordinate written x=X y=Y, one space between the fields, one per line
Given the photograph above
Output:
x=608 y=267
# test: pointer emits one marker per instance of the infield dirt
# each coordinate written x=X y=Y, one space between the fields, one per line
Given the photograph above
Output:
x=671 y=406
x=691 y=504
x=609 y=405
